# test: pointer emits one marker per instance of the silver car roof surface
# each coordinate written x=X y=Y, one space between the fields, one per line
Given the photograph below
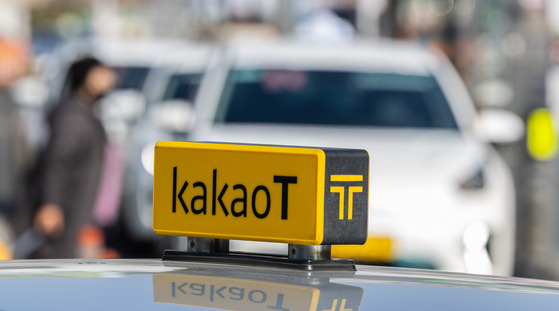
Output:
x=168 y=285
x=135 y=52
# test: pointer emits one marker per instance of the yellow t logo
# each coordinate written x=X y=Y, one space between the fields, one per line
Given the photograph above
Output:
x=341 y=191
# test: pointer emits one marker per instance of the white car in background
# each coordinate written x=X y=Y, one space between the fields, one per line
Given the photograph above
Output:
x=440 y=197
x=169 y=90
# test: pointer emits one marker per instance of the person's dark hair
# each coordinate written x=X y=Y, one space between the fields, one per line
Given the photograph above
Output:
x=78 y=72
x=74 y=79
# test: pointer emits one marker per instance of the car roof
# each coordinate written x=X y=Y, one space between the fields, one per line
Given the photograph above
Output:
x=383 y=55
x=359 y=55
x=150 y=284
x=144 y=52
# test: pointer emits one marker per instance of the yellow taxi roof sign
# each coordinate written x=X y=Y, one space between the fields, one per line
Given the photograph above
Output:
x=296 y=195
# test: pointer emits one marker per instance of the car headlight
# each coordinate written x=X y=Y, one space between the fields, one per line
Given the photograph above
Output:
x=147 y=157
x=475 y=182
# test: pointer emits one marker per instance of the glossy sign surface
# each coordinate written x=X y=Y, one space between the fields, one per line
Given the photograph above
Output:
x=263 y=193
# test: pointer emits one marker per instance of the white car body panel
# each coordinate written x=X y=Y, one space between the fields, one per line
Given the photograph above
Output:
x=415 y=174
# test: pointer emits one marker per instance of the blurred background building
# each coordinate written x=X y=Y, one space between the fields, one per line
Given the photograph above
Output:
x=505 y=51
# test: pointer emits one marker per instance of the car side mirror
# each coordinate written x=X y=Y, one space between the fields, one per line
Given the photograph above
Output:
x=176 y=116
x=499 y=126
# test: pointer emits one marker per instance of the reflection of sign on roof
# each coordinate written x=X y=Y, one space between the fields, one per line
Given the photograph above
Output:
x=230 y=293
x=278 y=194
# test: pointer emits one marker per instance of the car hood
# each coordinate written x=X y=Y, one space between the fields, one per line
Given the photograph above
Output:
x=164 y=285
x=421 y=163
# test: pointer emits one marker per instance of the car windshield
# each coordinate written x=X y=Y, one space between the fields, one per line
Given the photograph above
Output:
x=182 y=86
x=131 y=77
x=334 y=98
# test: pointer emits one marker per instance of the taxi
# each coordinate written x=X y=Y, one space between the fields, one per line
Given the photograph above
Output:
x=311 y=198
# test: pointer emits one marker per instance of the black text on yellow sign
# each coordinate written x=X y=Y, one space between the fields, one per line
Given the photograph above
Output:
x=264 y=193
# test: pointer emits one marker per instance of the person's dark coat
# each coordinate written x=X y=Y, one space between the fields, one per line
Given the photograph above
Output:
x=69 y=172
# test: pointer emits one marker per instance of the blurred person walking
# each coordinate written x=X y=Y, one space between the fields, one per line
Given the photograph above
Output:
x=69 y=172
x=13 y=154
x=11 y=147
x=11 y=172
